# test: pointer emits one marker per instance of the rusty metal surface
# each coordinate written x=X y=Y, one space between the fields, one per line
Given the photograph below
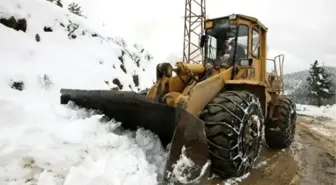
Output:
x=194 y=17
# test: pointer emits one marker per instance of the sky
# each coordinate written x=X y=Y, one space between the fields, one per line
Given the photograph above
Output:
x=303 y=30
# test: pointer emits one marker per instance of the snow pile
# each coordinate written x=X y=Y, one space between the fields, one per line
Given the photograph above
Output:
x=323 y=111
x=183 y=167
x=45 y=143
x=42 y=143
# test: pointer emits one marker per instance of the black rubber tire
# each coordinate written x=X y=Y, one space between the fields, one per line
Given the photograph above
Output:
x=280 y=133
x=226 y=119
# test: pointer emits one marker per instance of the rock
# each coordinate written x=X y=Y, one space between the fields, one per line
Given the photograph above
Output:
x=136 y=80
x=22 y=25
x=138 y=62
x=117 y=82
x=17 y=25
x=47 y=29
x=121 y=58
x=17 y=85
x=37 y=38
x=122 y=67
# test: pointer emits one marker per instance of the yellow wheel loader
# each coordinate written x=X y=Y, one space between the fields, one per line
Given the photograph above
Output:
x=214 y=116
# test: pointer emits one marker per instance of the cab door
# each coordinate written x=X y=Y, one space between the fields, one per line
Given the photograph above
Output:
x=255 y=43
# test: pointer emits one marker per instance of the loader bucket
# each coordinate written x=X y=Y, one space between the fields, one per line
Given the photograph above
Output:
x=185 y=132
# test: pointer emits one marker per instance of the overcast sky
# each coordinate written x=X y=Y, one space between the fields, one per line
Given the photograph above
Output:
x=303 y=30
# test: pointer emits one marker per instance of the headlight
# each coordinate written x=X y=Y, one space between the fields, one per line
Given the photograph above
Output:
x=208 y=24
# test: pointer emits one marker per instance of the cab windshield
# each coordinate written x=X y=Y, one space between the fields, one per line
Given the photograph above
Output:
x=221 y=47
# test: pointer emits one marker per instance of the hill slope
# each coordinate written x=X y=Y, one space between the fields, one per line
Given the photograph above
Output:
x=296 y=85
x=63 y=42
x=44 y=143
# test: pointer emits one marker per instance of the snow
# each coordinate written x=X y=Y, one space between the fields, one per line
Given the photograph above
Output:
x=45 y=143
x=180 y=173
x=181 y=165
x=320 y=76
x=234 y=180
x=323 y=111
x=325 y=90
x=56 y=52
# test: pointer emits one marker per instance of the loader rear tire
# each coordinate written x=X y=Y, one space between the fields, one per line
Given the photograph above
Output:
x=280 y=133
x=234 y=125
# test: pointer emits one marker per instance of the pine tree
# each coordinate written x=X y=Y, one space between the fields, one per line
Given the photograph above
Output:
x=75 y=9
x=319 y=84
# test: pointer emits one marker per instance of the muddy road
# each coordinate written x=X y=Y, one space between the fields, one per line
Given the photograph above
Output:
x=309 y=161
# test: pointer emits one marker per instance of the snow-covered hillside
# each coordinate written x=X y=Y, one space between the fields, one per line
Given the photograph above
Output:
x=296 y=85
x=57 y=42
x=45 y=143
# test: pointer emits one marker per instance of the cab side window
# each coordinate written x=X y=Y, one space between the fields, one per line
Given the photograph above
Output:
x=255 y=43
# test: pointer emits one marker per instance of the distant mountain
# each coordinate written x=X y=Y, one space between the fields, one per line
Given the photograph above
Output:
x=296 y=85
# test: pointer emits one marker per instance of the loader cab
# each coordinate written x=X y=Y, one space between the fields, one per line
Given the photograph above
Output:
x=235 y=40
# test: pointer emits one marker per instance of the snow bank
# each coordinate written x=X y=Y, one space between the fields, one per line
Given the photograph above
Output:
x=70 y=52
x=323 y=111
x=45 y=143
x=51 y=144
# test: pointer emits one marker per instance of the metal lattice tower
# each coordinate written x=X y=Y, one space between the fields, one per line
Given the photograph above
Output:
x=193 y=29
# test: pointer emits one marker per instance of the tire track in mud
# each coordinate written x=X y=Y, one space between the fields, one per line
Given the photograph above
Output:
x=274 y=167
x=319 y=163
x=306 y=162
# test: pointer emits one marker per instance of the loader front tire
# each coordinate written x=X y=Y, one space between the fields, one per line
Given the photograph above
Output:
x=279 y=133
x=234 y=125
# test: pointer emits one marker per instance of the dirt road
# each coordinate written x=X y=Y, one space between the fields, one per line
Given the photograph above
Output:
x=309 y=161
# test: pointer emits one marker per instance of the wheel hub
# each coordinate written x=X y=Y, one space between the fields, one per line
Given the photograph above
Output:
x=250 y=142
